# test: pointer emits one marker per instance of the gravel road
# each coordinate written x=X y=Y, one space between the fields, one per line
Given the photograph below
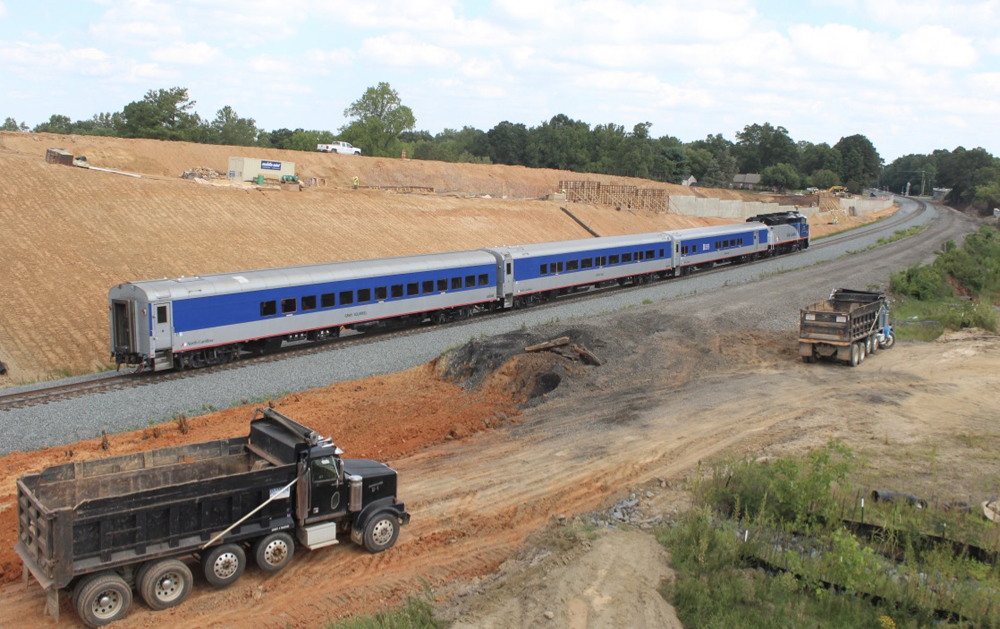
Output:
x=763 y=295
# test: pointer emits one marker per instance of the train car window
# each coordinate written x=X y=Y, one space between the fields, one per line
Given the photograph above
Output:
x=626 y=257
x=572 y=265
x=741 y=242
x=603 y=260
x=456 y=283
x=413 y=288
x=587 y=263
x=638 y=256
x=288 y=305
x=614 y=259
x=559 y=267
x=484 y=279
x=442 y=286
x=470 y=281
x=543 y=269
x=161 y=314
x=652 y=254
x=346 y=297
x=428 y=287
x=364 y=295
x=661 y=253
x=328 y=300
x=309 y=302
x=509 y=265
x=397 y=290
x=381 y=292
x=268 y=308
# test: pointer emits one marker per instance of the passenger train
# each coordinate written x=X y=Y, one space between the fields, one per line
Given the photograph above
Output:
x=197 y=321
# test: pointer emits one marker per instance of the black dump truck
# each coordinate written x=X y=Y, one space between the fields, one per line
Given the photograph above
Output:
x=849 y=326
x=100 y=528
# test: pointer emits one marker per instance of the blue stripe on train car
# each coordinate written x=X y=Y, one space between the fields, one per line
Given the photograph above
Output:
x=198 y=313
x=529 y=268
x=708 y=244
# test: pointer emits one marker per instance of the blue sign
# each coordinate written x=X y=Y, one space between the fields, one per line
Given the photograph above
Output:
x=269 y=165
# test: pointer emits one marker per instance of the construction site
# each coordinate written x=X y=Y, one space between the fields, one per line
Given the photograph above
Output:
x=537 y=463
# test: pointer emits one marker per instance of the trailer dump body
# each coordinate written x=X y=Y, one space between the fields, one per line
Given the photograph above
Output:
x=111 y=521
x=849 y=326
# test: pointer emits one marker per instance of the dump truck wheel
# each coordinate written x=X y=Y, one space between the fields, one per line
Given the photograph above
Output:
x=224 y=565
x=855 y=355
x=890 y=340
x=165 y=584
x=381 y=532
x=273 y=552
x=102 y=598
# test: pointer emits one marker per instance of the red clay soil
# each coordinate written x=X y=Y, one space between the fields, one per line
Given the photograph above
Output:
x=383 y=418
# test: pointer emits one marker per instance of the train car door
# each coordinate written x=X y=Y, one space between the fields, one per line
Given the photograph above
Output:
x=508 y=280
x=161 y=330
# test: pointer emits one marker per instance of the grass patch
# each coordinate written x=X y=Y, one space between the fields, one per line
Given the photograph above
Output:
x=958 y=290
x=417 y=613
x=788 y=544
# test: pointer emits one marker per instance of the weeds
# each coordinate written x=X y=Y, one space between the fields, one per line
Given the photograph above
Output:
x=784 y=544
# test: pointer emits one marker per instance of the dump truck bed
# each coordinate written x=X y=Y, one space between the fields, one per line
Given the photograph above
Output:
x=82 y=517
x=847 y=316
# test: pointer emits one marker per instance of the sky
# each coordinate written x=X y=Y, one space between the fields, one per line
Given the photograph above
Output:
x=911 y=76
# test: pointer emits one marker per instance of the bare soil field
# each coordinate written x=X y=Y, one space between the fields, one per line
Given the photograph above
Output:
x=70 y=234
x=488 y=458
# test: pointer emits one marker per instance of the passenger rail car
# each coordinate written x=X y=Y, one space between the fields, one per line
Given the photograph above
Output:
x=196 y=321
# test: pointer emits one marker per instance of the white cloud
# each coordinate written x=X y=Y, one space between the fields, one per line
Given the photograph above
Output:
x=183 y=53
x=404 y=50
x=937 y=46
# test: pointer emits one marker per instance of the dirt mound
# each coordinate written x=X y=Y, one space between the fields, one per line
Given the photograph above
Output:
x=503 y=366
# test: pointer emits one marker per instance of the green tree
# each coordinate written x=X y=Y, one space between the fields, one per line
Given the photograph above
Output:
x=920 y=171
x=813 y=157
x=963 y=170
x=508 y=144
x=825 y=179
x=988 y=196
x=228 y=128
x=56 y=124
x=760 y=146
x=378 y=118
x=164 y=114
x=11 y=125
x=721 y=171
x=783 y=176
x=698 y=161
x=560 y=143
x=861 y=163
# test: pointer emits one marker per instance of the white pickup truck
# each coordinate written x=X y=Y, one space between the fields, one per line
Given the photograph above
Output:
x=343 y=148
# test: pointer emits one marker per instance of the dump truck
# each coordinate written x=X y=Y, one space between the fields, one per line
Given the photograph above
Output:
x=849 y=326
x=99 y=529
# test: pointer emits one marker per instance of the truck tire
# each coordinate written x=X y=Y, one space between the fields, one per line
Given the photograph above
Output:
x=890 y=340
x=273 y=552
x=855 y=355
x=872 y=344
x=224 y=564
x=381 y=532
x=165 y=584
x=102 y=598
x=864 y=352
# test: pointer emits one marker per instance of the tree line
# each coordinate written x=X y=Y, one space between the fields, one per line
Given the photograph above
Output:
x=381 y=125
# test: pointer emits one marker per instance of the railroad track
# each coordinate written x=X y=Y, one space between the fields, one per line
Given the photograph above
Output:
x=123 y=381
